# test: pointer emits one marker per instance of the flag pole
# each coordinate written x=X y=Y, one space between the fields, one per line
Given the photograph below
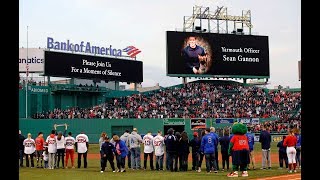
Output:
x=27 y=74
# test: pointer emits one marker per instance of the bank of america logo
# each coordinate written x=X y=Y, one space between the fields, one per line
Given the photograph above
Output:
x=131 y=51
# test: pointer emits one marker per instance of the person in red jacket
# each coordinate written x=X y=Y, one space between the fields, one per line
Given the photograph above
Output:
x=39 y=149
x=290 y=142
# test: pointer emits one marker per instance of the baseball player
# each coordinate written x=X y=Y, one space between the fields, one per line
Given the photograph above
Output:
x=82 y=145
x=148 y=150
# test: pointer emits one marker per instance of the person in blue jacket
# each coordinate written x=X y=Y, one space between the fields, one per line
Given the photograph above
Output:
x=213 y=132
x=201 y=155
x=192 y=54
x=298 y=147
x=208 y=148
x=121 y=151
x=107 y=151
x=265 y=140
x=250 y=137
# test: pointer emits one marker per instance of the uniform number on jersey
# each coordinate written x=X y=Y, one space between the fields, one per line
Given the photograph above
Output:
x=242 y=142
x=28 y=144
x=81 y=140
x=147 y=142
x=157 y=143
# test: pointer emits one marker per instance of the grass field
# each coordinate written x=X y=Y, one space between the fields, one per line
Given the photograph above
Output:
x=93 y=170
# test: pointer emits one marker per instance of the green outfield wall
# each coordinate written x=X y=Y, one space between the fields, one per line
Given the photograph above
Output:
x=94 y=127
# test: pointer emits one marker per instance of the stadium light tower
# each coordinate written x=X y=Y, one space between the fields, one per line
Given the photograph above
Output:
x=216 y=21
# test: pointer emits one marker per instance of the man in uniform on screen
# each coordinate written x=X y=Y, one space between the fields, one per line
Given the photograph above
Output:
x=193 y=56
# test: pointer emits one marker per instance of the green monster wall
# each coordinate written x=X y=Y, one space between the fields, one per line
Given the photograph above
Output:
x=94 y=127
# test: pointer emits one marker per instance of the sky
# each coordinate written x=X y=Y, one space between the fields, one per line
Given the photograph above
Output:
x=143 y=23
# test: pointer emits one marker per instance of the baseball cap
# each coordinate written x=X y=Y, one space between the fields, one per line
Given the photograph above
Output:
x=195 y=134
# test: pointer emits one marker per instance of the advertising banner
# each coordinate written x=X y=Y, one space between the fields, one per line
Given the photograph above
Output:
x=34 y=57
x=197 y=123
x=248 y=120
x=173 y=121
x=38 y=89
x=255 y=121
x=225 y=120
x=244 y=120
x=256 y=138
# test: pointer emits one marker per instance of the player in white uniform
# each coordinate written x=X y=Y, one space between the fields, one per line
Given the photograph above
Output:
x=82 y=144
x=70 y=141
x=29 y=149
x=158 y=143
x=148 y=149
x=52 y=148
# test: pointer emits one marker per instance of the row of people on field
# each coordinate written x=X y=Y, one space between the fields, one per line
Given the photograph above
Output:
x=53 y=149
x=177 y=150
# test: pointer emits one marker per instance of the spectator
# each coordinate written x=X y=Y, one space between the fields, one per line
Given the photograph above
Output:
x=224 y=146
x=208 y=148
x=101 y=141
x=45 y=155
x=195 y=147
x=178 y=155
x=121 y=153
x=298 y=147
x=194 y=100
x=134 y=143
x=265 y=140
x=250 y=137
x=39 y=149
x=21 y=148
x=184 y=144
x=61 y=148
x=124 y=138
x=216 y=143
x=107 y=151
x=282 y=154
x=200 y=151
x=171 y=148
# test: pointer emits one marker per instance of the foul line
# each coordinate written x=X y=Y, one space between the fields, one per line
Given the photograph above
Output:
x=295 y=176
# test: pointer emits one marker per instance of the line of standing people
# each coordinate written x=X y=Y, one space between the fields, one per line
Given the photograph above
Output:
x=52 y=151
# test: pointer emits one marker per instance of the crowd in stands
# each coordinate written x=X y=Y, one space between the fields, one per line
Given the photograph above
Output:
x=194 y=100
x=22 y=83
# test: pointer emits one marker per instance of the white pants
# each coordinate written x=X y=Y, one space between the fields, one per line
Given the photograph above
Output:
x=266 y=158
x=291 y=153
x=51 y=160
